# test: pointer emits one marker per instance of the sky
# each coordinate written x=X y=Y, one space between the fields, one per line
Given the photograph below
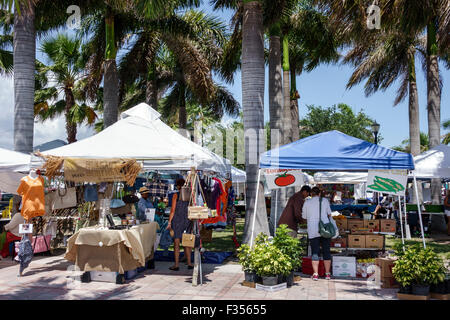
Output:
x=324 y=86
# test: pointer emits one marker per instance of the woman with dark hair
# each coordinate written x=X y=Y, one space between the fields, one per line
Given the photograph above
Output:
x=179 y=223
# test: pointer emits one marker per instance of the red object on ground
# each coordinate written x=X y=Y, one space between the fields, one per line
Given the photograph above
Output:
x=9 y=238
x=308 y=269
x=236 y=243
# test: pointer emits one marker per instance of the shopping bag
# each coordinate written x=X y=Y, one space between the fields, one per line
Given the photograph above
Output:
x=90 y=193
x=188 y=240
x=197 y=212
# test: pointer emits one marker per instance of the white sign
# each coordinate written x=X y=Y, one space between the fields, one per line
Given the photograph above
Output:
x=150 y=214
x=388 y=181
x=282 y=178
x=25 y=228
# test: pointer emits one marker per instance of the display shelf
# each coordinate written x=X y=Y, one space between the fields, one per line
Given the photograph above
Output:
x=371 y=249
x=385 y=233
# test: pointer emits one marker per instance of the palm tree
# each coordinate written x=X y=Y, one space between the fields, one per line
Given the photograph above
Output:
x=65 y=70
x=446 y=125
x=6 y=56
x=406 y=145
x=177 y=55
x=24 y=42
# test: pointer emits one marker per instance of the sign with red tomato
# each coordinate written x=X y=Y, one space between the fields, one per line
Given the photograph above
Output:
x=280 y=178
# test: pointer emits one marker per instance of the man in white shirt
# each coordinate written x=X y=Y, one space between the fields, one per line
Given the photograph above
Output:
x=310 y=212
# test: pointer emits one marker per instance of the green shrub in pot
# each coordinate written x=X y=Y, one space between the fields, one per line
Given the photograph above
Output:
x=288 y=245
x=244 y=254
x=269 y=261
x=418 y=267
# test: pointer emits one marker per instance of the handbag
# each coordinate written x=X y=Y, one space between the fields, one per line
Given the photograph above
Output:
x=90 y=193
x=116 y=202
x=185 y=192
x=62 y=198
x=197 y=212
x=326 y=230
x=188 y=240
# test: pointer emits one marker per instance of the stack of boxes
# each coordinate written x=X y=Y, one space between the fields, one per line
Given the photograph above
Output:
x=362 y=233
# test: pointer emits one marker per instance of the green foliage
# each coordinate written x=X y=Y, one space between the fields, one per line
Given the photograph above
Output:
x=424 y=144
x=245 y=256
x=338 y=117
x=291 y=247
x=419 y=266
x=268 y=260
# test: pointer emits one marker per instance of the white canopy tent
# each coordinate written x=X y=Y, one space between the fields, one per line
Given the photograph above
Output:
x=11 y=164
x=141 y=135
x=434 y=163
x=238 y=175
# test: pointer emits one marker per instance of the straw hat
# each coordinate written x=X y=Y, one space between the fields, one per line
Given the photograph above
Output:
x=144 y=190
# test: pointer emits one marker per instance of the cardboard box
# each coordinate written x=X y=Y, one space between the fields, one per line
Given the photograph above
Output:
x=361 y=231
x=339 y=243
x=356 y=241
x=374 y=241
x=404 y=296
x=388 y=283
x=374 y=225
x=341 y=223
x=386 y=265
x=355 y=224
x=343 y=266
x=387 y=225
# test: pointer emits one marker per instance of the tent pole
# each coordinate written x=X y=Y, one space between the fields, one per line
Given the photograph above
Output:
x=419 y=209
x=256 y=206
x=401 y=221
x=276 y=212
x=407 y=231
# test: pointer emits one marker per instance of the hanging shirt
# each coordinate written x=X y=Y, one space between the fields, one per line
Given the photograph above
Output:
x=32 y=192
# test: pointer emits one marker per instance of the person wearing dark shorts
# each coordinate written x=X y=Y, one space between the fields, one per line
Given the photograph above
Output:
x=179 y=223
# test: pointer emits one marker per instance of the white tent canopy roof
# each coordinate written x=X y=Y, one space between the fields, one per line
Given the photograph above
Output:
x=14 y=161
x=332 y=177
x=238 y=175
x=11 y=163
x=141 y=135
x=434 y=163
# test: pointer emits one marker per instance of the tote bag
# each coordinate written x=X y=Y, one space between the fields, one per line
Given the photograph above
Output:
x=326 y=230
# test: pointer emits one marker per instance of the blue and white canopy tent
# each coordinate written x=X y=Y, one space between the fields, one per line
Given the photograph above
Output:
x=334 y=150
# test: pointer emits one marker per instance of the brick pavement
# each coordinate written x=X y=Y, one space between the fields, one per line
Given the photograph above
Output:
x=50 y=278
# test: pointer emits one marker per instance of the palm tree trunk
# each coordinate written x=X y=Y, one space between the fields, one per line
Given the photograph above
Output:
x=278 y=197
x=71 y=127
x=414 y=124
x=111 y=79
x=294 y=104
x=182 y=113
x=151 y=93
x=433 y=102
x=24 y=42
x=287 y=122
x=253 y=76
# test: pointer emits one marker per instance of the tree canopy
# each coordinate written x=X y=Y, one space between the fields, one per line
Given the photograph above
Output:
x=338 y=117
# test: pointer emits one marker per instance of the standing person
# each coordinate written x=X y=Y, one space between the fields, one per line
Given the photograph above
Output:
x=310 y=212
x=179 y=223
x=11 y=233
x=292 y=214
x=447 y=211
x=144 y=203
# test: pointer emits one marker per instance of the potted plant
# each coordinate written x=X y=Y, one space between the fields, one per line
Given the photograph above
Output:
x=269 y=261
x=245 y=256
x=418 y=268
x=289 y=246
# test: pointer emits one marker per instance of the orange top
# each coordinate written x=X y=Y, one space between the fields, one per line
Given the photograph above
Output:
x=32 y=192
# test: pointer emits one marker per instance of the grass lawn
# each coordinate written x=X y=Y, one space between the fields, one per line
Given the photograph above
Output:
x=442 y=247
x=222 y=240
